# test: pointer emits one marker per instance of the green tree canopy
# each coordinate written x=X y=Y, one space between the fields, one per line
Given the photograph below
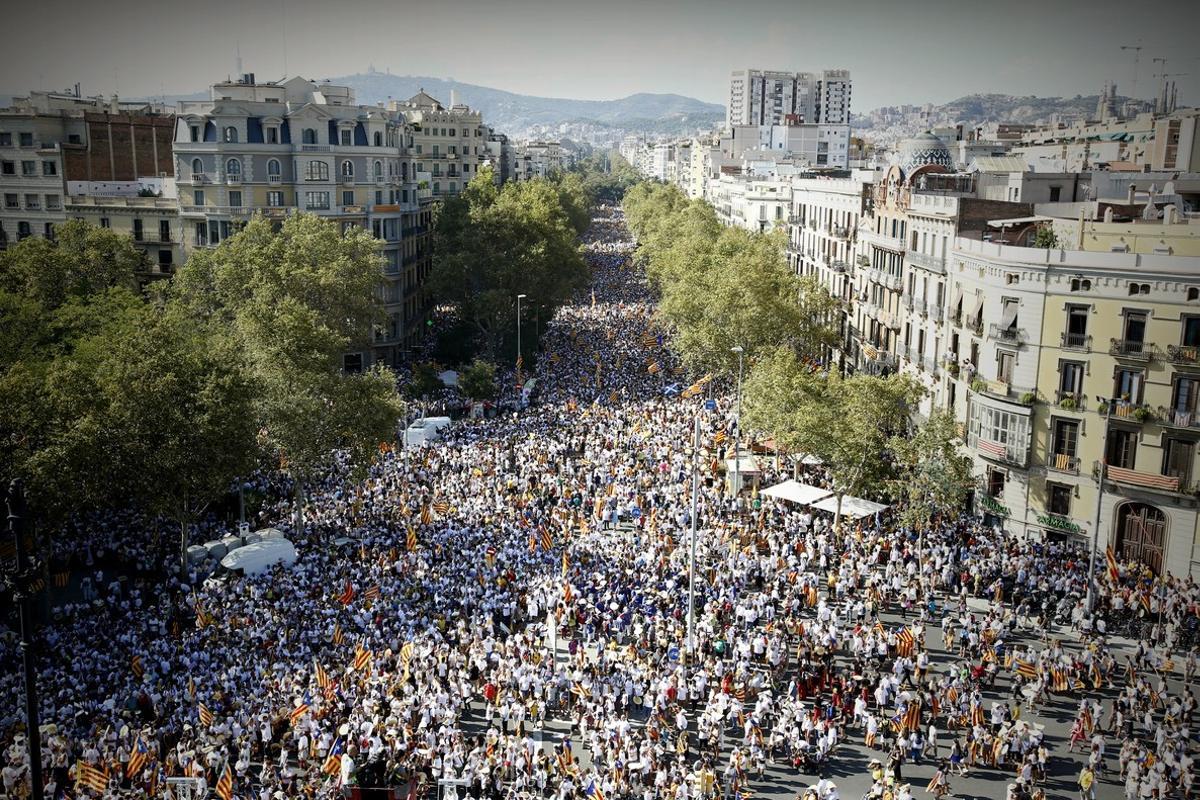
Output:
x=81 y=261
x=478 y=380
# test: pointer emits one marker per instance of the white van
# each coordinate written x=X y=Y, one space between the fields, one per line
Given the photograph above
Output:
x=260 y=556
x=424 y=430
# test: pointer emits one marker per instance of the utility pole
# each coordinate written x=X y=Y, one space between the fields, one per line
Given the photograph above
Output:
x=24 y=572
x=1091 y=593
x=737 y=439
x=691 y=613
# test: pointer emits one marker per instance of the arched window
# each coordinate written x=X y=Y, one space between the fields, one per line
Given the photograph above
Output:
x=273 y=168
x=378 y=139
x=378 y=169
x=1193 y=293
x=197 y=167
x=404 y=170
x=233 y=167
x=309 y=136
x=231 y=134
x=347 y=169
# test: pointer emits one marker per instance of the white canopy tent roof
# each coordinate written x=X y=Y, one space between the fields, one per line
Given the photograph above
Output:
x=745 y=464
x=854 y=507
x=796 y=492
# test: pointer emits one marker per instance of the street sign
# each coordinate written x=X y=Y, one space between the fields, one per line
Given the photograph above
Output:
x=710 y=405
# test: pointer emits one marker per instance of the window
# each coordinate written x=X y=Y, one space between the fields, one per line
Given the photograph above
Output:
x=198 y=197
x=1055 y=193
x=1011 y=277
x=995 y=483
x=49 y=168
x=26 y=139
x=1128 y=385
x=1191 y=332
x=1001 y=427
x=164 y=230
x=194 y=132
x=33 y=201
x=105 y=222
x=377 y=139
x=201 y=235
x=1139 y=288
x=273 y=168
x=53 y=202
x=348 y=198
x=23 y=231
x=309 y=136
x=1177 y=459
x=235 y=199
x=1135 y=328
x=1184 y=394
x=8 y=167
x=1081 y=285
x=275 y=199
x=48 y=231
x=197 y=167
x=1008 y=317
x=5 y=139
x=165 y=260
x=1005 y=363
x=231 y=134
x=1060 y=499
x=317 y=171
x=378 y=169
x=29 y=168
x=345 y=137
x=1077 y=324
x=1122 y=448
x=317 y=200
x=137 y=230
x=1066 y=438
x=347 y=170
x=1070 y=378
x=1193 y=293
x=233 y=167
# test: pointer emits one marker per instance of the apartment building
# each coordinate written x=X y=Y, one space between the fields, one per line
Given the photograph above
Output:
x=536 y=160
x=57 y=144
x=277 y=148
x=152 y=222
x=756 y=204
x=448 y=143
x=767 y=97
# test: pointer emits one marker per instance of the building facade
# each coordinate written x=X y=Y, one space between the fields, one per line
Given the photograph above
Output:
x=283 y=147
x=766 y=97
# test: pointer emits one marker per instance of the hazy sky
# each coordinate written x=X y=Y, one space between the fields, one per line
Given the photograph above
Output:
x=899 y=52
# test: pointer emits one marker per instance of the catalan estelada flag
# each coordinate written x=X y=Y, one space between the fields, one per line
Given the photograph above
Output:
x=411 y=541
x=137 y=759
x=225 y=784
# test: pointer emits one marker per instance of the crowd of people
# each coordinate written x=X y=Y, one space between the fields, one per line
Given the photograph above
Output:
x=505 y=612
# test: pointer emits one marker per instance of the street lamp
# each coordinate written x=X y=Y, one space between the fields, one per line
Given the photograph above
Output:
x=520 y=297
x=737 y=439
x=1091 y=577
x=691 y=612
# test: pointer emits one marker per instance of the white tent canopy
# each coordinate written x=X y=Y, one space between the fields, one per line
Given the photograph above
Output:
x=796 y=492
x=854 y=507
x=745 y=464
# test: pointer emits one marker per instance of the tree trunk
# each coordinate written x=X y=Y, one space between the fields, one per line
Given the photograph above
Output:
x=837 y=517
x=183 y=547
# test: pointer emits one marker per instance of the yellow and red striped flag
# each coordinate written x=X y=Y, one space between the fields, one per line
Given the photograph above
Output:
x=411 y=541
x=137 y=759
x=206 y=716
x=225 y=784
x=92 y=777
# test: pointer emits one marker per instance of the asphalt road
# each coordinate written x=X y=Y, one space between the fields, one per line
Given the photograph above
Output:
x=848 y=767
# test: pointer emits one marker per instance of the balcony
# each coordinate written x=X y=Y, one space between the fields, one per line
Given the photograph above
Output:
x=1142 y=480
x=1184 y=356
x=200 y=177
x=880 y=240
x=233 y=180
x=1015 y=336
x=274 y=180
x=931 y=263
x=1075 y=341
x=1132 y=412
x=1179 y=418
x=840 y=232
x=1132 y=350
x=1061 y=462
x=1069 y=401
x=314 y=148
x=1003 y=390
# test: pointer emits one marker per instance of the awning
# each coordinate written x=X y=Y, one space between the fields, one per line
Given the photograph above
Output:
x=956 y=303
x=1010 y=316
x=796 y=492
x=853 y=507
x=745 y=464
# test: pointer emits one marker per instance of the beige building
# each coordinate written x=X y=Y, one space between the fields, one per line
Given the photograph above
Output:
x=1068 y=359
x=151 y=222
x=277 y=148
x=451 y=144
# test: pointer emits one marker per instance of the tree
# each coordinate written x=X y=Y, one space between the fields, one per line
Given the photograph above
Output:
x=478 y=380
x=1045 y=237
x=489 y=247
x=424 y=381
x=296 y=300
x=848 y=423
x=80 y=261
x=933 y=475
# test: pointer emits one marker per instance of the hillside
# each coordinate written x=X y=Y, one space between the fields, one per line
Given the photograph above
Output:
x=976 y=109
x=515 y=114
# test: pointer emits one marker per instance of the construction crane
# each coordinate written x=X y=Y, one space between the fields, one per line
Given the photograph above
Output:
x=1137 y=52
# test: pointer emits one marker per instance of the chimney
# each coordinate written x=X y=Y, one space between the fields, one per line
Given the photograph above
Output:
x=1130 y=194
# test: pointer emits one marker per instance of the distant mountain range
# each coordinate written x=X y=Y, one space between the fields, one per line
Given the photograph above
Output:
x=976 y=109
x=515 y=114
